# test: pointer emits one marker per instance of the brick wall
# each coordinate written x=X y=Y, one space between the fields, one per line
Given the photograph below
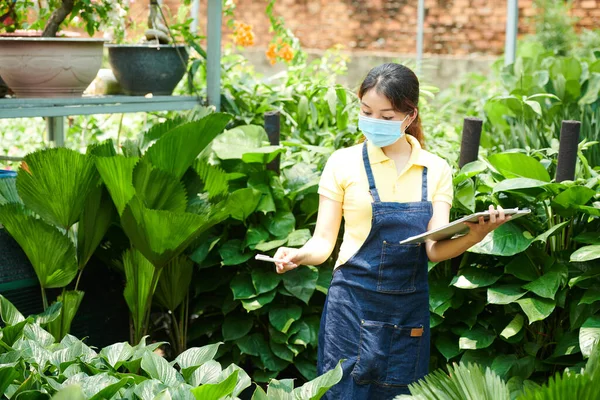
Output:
x=454 y=27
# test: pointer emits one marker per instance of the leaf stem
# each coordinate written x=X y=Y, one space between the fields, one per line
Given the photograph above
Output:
x=44 y=299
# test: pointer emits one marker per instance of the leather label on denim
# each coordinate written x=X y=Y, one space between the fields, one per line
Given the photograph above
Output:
x=416 y=332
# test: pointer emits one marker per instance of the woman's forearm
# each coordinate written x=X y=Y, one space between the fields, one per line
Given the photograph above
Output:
x=450 y=248
x=316 y=251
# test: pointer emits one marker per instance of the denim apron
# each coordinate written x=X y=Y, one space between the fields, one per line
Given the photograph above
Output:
x=376 y=314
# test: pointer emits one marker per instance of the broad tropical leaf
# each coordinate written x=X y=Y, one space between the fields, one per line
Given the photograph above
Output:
x=214 y=178
x=216 y=391
x=234 y=143
x=158 y=368
x=70 y=304
x=98 y=214
x=9 y=313
x=174 y=282
x=141 y=279
x=161 y=235
x=51 y=253
x=117 y=174
x=8 y=191
x=518 y=165
x=56 y=183
x=158 y=190
x=506 y=240
x=177 y=149
x=316 y=388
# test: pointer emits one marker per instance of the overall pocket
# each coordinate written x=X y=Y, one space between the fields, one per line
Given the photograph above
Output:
x=398 y=268
x=388 y=354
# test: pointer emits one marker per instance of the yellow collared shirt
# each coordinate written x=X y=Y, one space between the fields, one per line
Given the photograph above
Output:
x=344 y=179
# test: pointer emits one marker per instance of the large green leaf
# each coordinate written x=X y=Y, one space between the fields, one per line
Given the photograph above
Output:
x=589 y=335
x=161 y=235
x=8 y=191
x=232 y=253
x=504 y=294
x=177 y=149
x=71 y=392
x=234 y=143
x=513 y=327
x=316 y=388
x=305 y=331
x=158 y=368
x=259 y=301
x=243 y=380
x=265 y=279
x=70 y=304
x=242 y=288
x=216 y=391
x=237 y=326
x=174 y=282
x=448 y=346
x=213 y=177
x=109 y=390
x=281 y=224
x=50 y=314
x=472 y=277
x=141 y=280
x=116 y=354
x=548 y=284
x=51 y=253
x=536 y=309
x=157 y=189
x=117 y=174
x=242 y=203
x=516 y=184
x=283 y=317
x=543 y=237
x=519 y=165
x=301 y=282
x=98 y=213
x=586 y=253
x=8 y=373
x=193 y=358
x=476 y=338
x=522 y=267
x=9 y=313
x=572 y=197
x=506 y=240
x=567 y=344
x=55 y=184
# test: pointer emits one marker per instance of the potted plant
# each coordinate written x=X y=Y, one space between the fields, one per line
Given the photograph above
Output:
x=35 y=62
x=155 y=65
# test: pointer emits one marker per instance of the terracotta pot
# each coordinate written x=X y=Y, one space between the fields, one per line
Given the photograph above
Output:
x=49 y=67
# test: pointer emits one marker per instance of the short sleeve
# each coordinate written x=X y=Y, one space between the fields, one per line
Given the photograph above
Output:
x=444 y=190
x=330 y=184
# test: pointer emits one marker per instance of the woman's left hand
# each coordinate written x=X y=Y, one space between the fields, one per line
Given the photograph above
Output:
x=479 y=230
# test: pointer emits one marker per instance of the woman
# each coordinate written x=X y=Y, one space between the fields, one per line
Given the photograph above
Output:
x=389 y=188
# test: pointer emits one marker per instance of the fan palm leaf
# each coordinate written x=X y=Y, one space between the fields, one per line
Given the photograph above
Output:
x=174 y=282
x=8 y=191
x=70 y=301
x=56 y=183
x=177 y=149
x=214 y=178
x=161 y=235
x=51 y=253
x=117 y=174
x=158 y=190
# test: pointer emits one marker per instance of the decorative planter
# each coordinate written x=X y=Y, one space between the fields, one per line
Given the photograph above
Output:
x=148 y=68
x=49 y=67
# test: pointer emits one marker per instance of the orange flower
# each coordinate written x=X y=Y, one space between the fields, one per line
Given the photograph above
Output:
x=242 y=34
x=286 y=52
x=272 y=54
x=281 y=51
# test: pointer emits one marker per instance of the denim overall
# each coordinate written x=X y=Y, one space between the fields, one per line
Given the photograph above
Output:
x=376 y=315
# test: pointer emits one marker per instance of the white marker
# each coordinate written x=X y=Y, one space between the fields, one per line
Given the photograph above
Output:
x=262 y=257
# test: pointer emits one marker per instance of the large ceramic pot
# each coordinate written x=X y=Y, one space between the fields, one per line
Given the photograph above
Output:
x=148 y=68
x=49 y=67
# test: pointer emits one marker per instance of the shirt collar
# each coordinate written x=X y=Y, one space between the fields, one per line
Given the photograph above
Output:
x=376 y=154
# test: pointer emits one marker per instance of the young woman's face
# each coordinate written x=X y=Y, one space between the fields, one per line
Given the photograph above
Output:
x=376 y=105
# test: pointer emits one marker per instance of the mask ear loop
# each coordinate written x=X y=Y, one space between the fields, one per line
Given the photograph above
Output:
x=415 y=112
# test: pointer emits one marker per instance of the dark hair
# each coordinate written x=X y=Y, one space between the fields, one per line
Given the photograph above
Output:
x=401 y=87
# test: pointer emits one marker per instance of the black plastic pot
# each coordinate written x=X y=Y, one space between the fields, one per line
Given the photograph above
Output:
x=148 y=68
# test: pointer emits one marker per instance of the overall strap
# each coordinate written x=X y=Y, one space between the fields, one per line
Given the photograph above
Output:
x=372 y=188
x=424 y=185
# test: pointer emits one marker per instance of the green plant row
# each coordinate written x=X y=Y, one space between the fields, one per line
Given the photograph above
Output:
x=33 y=365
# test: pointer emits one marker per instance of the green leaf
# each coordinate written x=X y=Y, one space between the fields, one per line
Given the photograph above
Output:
x=8 y=191
x=232 y=253
x=536 y=309
x=8 y=373
x=243 y=380
x=302 y=109
x=305 y=332
x=214 y=178
x=265 y=279
x=513 y=327
x=476 y=338
x=195 y=357
x=216 y=391
x=234 y=143
x=551 y=232
x=593 y=90
x=465 y=194
x=242 y=203
x=586 y=253
x=282 y=318
x=116 y=354
x=71 y=392
x=504 y=294
x=9 y=313
x=522 y=267
x=253 y=345
x=50 y=314
x=469 y=170
x=117 y=174
x=316 y=388
x=518 y=165
x=298 y=238
x=242 y=287
x=140 y=286
x=158 y=368
x=506 y=240
x=174 y=283
x=268 y=246
x=157 y=189
x=282 y=351
x=589 y=335
x=263 y=155
x=471 y=278
x=573 y=196
x=71 y=300
x=568 y=344
x=516 y=184
x=259 y=301
x=591 y=295
x=503 y=363
x=237 y=326
x=51 y=253
x=209 y=372
x=254 y=236
x=448 y=346
x=98 y=214
x=56 y=183
x=548 y=284
x=301 y=282
x=177 y=149
x=281 y=224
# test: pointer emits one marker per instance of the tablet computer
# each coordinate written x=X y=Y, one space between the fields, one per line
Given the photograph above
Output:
x=459 y=228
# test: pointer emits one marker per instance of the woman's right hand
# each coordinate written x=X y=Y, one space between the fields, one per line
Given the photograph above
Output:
x=291 y=259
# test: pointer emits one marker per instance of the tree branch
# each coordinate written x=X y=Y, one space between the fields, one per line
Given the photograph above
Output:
x=58 y=17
